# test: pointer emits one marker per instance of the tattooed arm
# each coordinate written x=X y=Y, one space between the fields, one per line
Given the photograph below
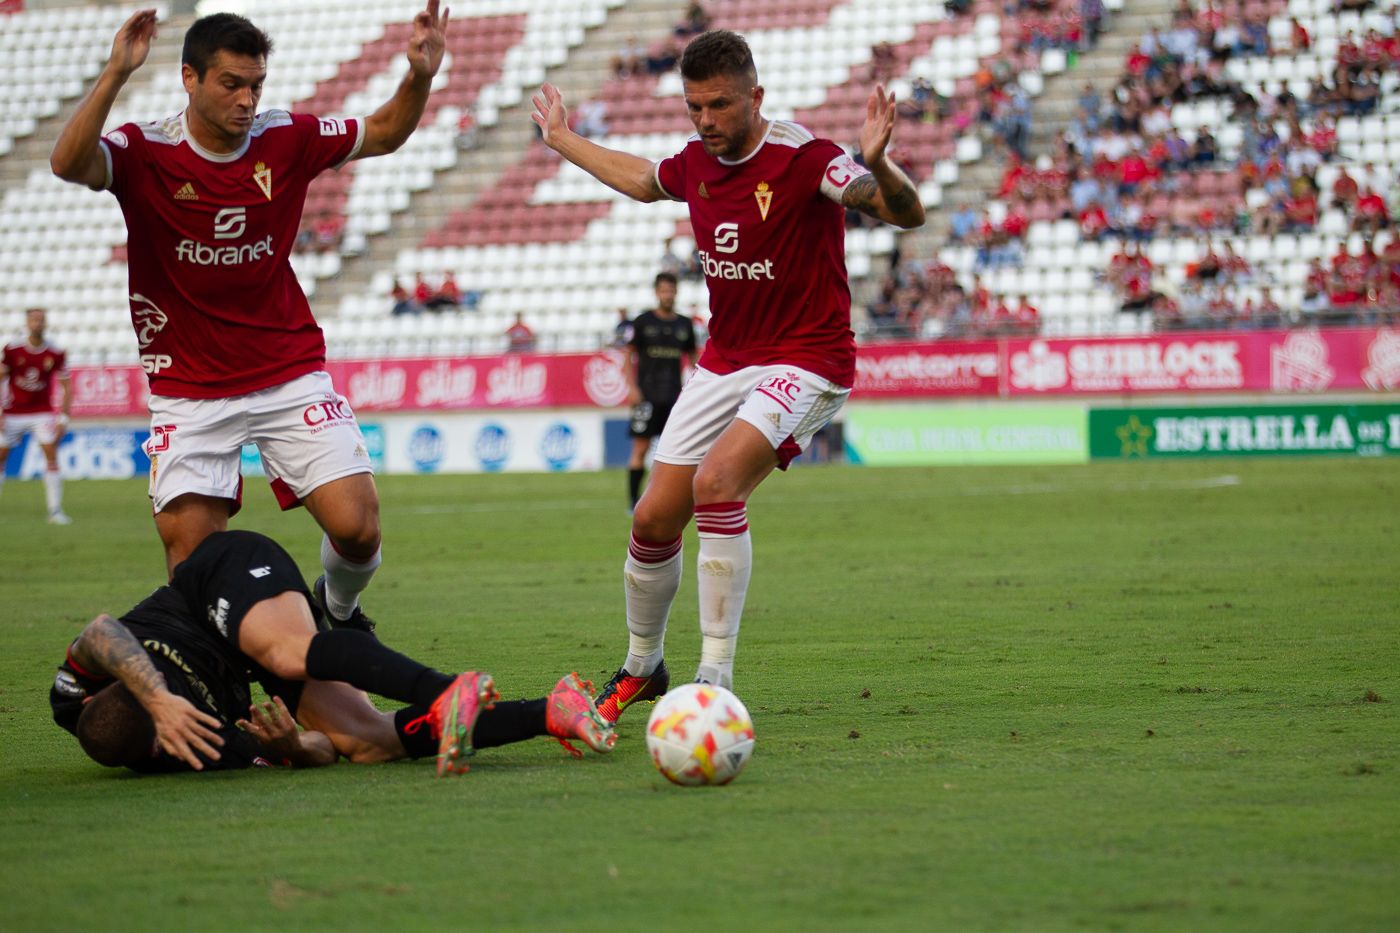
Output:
x=886 y=193
x=107 y=648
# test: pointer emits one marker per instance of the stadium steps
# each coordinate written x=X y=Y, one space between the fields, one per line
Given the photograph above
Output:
x=31 y=152
x=501 y=147
x=1102 y=68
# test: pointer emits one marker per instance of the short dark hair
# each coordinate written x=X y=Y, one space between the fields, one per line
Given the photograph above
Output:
x=718 y=53
x=114 y=729
x=222 y=32
x=665 y=277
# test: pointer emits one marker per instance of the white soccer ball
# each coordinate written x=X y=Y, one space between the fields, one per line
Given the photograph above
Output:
x=699 y=734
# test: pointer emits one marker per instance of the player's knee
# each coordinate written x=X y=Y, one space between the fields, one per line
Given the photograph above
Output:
x=714 y=483
x=285 y=661
x=360 y=541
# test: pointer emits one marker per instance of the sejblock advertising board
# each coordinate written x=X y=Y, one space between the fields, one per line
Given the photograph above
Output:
x=1260 y=430
x=921 y=434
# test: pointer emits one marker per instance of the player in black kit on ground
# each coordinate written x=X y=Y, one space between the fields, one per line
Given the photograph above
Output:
x=661 y=339
x=162 y=689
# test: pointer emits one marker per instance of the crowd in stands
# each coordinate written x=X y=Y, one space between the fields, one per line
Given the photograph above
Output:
x=1125 y=171
x=919 y=299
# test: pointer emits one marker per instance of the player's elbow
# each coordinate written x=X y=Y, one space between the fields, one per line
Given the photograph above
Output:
x=63 y=167
x=909 y=219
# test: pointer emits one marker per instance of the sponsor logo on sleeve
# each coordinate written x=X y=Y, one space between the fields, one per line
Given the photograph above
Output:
x=118 y=139
x=332 y=127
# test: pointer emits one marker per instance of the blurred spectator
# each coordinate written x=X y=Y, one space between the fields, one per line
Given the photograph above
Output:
x=630 y=59
x=448 y=295
x=591 y=117
x=663 y=56
x=1371 y=215
x=963 y=223
x=422 y=291
x=695 y=21
x=1299 y=38
x=403 y=301
x=329 y=230
x=468 y=133
x=622 y=330
x=520 y=338
x=883 y=63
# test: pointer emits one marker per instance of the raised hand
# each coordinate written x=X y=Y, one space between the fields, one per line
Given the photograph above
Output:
x=270 y=723
x=133 y=42
x=429 y=40
x=550 y=113
x=879 y=125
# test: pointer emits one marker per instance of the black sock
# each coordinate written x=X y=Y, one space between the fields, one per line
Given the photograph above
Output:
x=509 y=721
x=360 y=660
x=634 y=483
x=420 y=742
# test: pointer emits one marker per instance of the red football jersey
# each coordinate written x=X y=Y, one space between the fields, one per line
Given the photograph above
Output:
x=31 y=375
x=215 y=304
x=771 y=234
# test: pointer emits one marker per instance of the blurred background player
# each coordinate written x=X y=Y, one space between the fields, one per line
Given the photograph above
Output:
x=662 y=346
x=213 y=197
x=767 y=201
x=28 y=371
x=237 y=610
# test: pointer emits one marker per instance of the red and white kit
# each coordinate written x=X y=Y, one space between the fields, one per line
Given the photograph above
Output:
x=771 y=238
x=216 y=307
x=28 y=391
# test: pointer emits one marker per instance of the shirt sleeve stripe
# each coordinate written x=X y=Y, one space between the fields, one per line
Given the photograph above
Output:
x=656 y=171
x=359 y=141
x=106 y=157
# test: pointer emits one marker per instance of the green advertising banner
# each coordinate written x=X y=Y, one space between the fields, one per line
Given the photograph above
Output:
x=924 y=434
x=1259 y=430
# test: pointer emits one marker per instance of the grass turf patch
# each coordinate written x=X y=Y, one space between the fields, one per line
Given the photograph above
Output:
x=1118 y=696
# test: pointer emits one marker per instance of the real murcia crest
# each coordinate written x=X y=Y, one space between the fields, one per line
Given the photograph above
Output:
x=764 y=197
x=263 y=176
x=703 y=192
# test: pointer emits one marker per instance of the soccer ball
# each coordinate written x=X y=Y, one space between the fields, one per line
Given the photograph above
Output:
x=699 y=734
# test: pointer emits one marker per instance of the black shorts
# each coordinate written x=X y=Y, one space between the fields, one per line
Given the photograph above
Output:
x=227 y=575
x=649 y=418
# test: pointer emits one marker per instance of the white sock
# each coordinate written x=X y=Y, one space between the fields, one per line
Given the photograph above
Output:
x=53 y=490
x=650 y=577
x=345 y=579
x=2 y=475
x=725 y=564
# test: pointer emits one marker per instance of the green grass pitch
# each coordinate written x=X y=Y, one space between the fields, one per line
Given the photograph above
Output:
x=1128 y=696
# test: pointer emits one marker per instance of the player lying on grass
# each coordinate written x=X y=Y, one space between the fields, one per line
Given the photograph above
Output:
x=163 y=687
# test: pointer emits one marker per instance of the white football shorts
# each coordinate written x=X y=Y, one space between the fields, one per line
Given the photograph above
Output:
x=788 y=405
x=305 y=431
x=43 y=425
